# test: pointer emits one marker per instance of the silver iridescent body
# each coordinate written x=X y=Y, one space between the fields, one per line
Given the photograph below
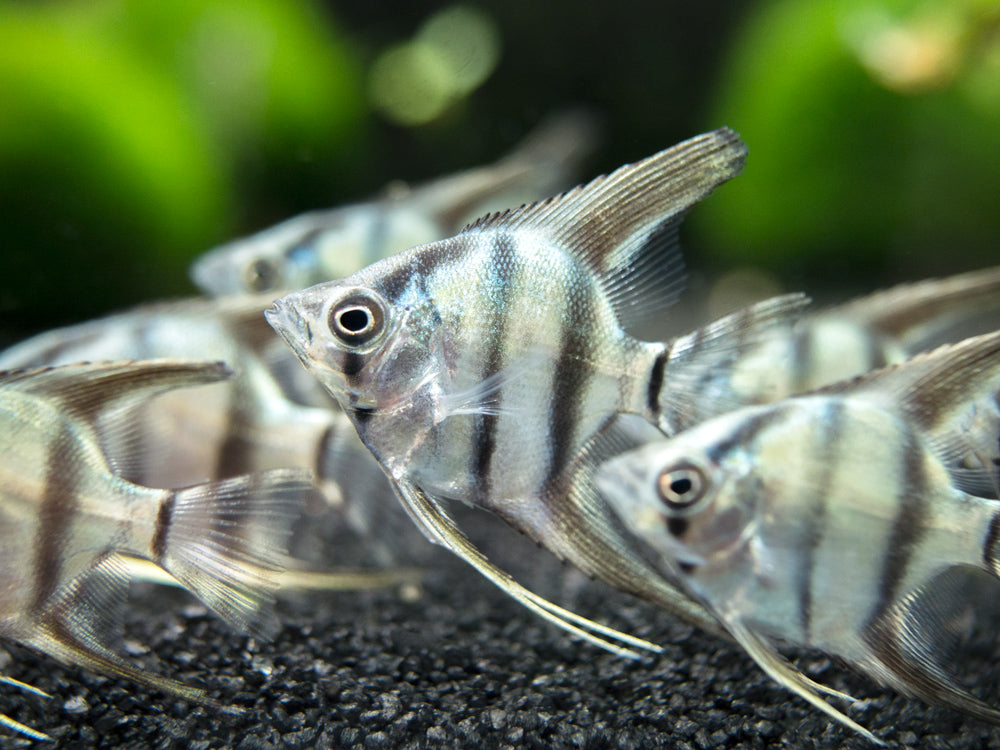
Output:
x=475 y=368
x=68 y=521
x=830 y=519
x=329 y=244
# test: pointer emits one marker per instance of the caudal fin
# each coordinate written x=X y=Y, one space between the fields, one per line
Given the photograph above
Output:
x=226 y=542
x=696 y=376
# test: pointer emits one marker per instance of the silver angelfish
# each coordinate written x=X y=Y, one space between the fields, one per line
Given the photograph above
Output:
x=832 y=520
x=475 y=368
x=322 y=245
x=68 y=522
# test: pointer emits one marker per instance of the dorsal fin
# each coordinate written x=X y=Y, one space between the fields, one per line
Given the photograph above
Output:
x=921 y=314
x=544 y=162
x=89 y=390
x=952 y=394
x=106 y=396
x=623 y=226
x=932 y=387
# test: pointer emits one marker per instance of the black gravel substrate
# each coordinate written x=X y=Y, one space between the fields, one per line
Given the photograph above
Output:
x=460 y=666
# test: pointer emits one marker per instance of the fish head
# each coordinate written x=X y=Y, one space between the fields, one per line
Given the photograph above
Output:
x=685 y=499
x=283 y=257
x=360 y=344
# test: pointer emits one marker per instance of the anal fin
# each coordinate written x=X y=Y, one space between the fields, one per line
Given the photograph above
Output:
x=74 y=628
x=778 y=669
x=441 y=529
x=17 y=726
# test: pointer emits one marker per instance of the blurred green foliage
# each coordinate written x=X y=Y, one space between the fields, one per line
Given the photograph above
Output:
x=135 y=134
x=874 y=133
x=132 y=131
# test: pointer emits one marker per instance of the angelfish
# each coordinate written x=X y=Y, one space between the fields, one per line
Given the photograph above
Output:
x=883 y=328
x=475 y=368
x=328 y=244
x=68 y=523
x=830 y=520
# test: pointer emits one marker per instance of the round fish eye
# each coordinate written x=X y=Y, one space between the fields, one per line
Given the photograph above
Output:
x=260 y=275
x=356 y=320
x=681 y=487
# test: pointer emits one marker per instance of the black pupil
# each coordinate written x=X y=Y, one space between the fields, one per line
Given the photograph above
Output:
x=354 y=320
x=260 y=275
x=680 y=486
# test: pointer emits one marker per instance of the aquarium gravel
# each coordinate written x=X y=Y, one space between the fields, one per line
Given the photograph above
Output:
x=461 y=666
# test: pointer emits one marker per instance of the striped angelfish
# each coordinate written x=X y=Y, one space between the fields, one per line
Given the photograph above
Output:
x=833 y=519
x=252 y=421
x=328 y=244
x=867 y=333
x=68 y=522
x=475 y=368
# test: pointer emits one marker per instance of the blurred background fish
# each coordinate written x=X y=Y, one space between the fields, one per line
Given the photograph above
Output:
x=826 y=520
x=67 y=519
x=324 y=245
x=851 y=338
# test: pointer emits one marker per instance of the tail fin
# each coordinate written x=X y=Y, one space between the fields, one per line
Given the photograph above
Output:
x=696 y=376
x=545 y=162
x=557 y=146
x=225 y=542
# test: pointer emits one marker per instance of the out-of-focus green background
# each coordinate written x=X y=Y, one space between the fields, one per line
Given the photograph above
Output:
x=134 y=134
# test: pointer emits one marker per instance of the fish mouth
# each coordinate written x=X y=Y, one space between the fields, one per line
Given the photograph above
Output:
x=211 y=272
x=291 y=326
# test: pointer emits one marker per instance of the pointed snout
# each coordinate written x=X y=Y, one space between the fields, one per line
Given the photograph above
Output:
x=285 y=319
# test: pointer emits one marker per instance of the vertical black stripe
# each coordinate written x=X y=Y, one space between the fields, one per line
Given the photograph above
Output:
x=501 y=282
x=163 y=518
x=236 y=453
x=876 y=352
x=990 y=552
x=655 y=384
x=306 y=242
x=746 y=432
x=56 y=511
x=830 y=423
x=351 y=364
x=410 y=270
x=323 y=466
x=908 y=526
x=573 y=374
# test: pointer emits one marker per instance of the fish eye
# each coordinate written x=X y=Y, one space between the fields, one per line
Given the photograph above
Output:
x=681 y=487
x=356 y=320
x=260 y=275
